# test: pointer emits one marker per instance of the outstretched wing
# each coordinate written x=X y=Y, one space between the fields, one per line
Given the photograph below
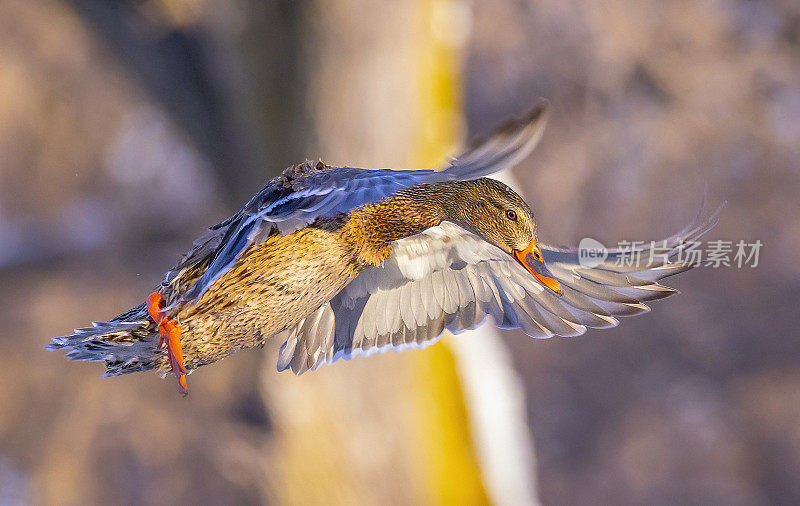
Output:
x=506 y=146
x=448 y=278
x=309 y=191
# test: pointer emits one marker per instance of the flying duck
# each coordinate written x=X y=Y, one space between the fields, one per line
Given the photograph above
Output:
x=339 y=262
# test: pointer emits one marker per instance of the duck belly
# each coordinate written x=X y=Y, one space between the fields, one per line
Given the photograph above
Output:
x=271 y=287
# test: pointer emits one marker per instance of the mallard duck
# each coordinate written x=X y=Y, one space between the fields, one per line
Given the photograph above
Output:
x=339 y=262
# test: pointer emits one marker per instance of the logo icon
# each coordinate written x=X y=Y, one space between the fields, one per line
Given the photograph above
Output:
x=591 y=253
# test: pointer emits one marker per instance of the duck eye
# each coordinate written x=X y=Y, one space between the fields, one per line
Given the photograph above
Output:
x=511 y=214
x=537 y=255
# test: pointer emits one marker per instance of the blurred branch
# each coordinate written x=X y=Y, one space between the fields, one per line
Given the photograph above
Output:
x=176 y=66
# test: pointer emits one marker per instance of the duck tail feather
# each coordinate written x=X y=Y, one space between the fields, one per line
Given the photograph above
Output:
x=127 y=343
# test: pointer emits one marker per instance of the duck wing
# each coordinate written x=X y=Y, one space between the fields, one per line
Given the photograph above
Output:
x=506 y=146
x=448 y=278
x=306 y=192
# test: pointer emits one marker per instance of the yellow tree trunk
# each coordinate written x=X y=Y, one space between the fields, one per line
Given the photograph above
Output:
x=393 y=428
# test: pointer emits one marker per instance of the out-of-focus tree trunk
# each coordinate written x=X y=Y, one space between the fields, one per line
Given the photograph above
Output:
x=391 y=429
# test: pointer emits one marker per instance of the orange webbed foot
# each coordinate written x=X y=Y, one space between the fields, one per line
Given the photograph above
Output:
x=171 y=336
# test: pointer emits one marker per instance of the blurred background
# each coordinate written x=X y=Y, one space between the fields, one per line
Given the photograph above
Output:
x=128 y=127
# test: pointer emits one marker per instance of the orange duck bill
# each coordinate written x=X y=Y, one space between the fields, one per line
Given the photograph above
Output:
x=531 y=258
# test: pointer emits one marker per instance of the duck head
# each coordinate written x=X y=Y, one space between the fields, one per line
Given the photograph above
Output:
x=496 y=213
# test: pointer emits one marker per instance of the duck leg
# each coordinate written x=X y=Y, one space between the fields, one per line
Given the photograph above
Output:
x=171 y=336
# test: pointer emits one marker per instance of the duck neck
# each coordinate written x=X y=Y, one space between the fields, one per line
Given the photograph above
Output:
x=371 y=229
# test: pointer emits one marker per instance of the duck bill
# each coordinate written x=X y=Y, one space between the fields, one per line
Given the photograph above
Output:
x=531 y=258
